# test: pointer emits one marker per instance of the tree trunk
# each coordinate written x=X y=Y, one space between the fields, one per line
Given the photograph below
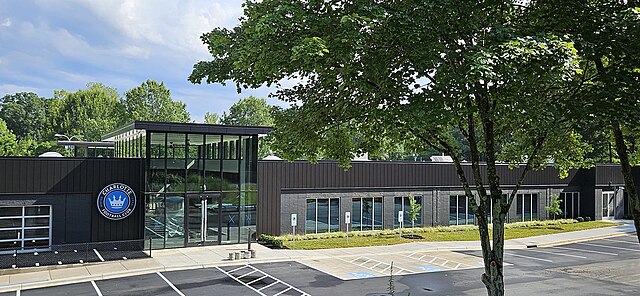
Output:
x=634 y=202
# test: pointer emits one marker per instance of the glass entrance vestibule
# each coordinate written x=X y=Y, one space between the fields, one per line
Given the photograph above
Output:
x=201 y=185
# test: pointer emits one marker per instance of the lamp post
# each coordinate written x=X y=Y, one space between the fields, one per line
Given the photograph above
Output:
x=67 y=147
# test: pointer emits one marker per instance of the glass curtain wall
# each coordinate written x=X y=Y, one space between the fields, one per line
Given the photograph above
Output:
x=220 y=169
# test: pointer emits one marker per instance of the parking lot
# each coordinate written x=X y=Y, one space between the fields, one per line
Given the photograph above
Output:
x=600 y=267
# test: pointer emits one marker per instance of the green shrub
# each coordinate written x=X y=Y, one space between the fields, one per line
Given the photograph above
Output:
x=587 y=218
x=580 y=219
x=275 y=241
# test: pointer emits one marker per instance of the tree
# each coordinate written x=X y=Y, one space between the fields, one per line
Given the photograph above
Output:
x=605 y=34
x=26 y=115
x=90 y=112
x=252 y=111
x=554 y=206
x=375 y=72
x=8 y=145
x=414 y=210
x=249 y=111
x=151 y=101
x=212 y=118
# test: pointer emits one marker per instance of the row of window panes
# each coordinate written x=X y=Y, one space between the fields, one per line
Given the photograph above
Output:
x=201 y=146
x=131 y=146
x=402 y=204
x=28 y=211
x=164 y=217
x=25 y=227
x=460 y=212
x=570 y=204
x=527 y=207
x=199 y=172
x=366 y=213
x=323 y=215
x=27 y=233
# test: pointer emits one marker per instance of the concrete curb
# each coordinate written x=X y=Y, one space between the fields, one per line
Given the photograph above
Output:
x=569 y=241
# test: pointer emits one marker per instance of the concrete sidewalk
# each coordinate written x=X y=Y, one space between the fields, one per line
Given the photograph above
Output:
x=201 y=257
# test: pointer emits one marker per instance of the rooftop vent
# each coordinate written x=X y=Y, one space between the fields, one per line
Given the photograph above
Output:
x=441 y=158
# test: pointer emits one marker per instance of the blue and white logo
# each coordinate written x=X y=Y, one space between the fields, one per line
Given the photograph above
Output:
x=116 y=201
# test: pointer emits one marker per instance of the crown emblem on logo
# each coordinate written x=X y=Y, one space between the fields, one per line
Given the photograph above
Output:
x=116 y=202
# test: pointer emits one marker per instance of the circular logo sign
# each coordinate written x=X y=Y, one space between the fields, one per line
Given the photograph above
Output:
x=116 y=201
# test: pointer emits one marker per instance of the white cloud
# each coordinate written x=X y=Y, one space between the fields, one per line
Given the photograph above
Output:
x=6 y=23
x=12 y=88
x=174 y=25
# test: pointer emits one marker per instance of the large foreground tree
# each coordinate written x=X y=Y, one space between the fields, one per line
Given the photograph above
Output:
x=375 y=73
x=605 y=33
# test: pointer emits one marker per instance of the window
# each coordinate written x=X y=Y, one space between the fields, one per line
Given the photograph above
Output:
x=366 y=213
x=402 y=204
x=25 y=227
x=526 y=207
x=323 y=215
x=608 y=204
x=570 y=204
x=460 y=212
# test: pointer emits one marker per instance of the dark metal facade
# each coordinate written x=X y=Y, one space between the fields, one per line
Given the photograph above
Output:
x=278 y=177
x=71 y=186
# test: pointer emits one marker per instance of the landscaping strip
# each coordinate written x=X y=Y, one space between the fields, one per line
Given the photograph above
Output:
x=427 y=234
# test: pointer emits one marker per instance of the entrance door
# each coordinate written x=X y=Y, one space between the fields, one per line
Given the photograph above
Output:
x=203 y=220
x=608 y=205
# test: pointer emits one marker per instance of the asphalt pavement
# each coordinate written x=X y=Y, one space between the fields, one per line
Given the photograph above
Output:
x=608 y=266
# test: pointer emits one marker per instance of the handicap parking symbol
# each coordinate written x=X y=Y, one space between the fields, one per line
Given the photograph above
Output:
x=361 y=274
x=429 y=268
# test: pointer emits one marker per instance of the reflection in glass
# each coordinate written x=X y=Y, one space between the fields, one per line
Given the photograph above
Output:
x=154 y=226
x=310 y=221
x=334 y=211
x=174 y=204
x=248 y=202
x=230 y=217
x=195 y=162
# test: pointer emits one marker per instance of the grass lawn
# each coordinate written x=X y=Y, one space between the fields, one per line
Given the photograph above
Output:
x=463 y=234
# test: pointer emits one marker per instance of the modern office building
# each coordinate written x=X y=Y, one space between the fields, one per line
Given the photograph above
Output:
x=178 y=184
x=187 y=184
x=374 y=192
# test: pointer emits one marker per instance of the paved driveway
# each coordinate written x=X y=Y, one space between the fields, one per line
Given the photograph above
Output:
x=599 y=267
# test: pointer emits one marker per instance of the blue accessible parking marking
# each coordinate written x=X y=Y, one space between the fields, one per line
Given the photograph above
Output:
x=361 y=274
x=429 y=268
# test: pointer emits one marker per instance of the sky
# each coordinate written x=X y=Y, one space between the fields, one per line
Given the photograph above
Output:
x=47 y=45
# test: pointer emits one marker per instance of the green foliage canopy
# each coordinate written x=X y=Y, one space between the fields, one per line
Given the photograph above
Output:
x=151 y=101
x=378 y=72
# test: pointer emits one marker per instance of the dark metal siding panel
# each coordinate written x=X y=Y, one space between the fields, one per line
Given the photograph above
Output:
x=609 y=174
x=81 y=178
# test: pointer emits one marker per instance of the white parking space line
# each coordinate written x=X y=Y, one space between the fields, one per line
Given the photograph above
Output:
x=170 y=284
x=609 y=247
x=527 y=257
x=95 y=287
x=264 y=275
x=98 y=254
x=621 y=241
x=17 y=292
x=585 y=251
x=558 y=254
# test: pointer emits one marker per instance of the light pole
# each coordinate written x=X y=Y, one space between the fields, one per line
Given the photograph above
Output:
x=67 y=147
